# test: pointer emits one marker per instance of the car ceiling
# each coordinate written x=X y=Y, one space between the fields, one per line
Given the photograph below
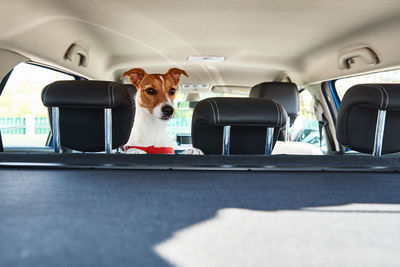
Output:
x=260 y=39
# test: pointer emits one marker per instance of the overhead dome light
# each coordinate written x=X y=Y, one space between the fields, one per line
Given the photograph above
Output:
x=205 y=59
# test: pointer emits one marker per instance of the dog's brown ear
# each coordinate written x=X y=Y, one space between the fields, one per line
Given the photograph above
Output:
x=175 y=74
x=135 y=75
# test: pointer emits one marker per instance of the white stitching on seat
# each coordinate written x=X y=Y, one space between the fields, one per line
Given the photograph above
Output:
x=382 y=92
x=380 y=89
x=216 y=105
x=277 y=109
x=215 y=121
x=109 y=95
x=387 y=94
x=112 y=94
x=129 y=93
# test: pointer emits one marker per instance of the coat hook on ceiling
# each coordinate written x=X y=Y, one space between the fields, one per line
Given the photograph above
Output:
x=76 y=49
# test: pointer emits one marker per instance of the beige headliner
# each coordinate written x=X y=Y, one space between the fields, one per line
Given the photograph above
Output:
x=260 y=39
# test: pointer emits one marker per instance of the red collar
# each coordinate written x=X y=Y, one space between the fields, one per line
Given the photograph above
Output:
x=152 y=149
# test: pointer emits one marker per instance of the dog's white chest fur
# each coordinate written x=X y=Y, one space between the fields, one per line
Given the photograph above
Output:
x=148 y=130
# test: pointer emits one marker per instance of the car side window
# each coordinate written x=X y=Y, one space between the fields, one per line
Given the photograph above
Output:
x=342 y=85
x=23 y=118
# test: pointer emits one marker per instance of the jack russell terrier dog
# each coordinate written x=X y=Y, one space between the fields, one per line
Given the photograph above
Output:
x=154 y=108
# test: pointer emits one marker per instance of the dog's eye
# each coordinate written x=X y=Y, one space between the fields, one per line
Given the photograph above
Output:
x=151 y=91
x=172 y=91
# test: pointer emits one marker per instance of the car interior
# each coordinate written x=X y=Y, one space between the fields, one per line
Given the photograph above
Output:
x=295 y=105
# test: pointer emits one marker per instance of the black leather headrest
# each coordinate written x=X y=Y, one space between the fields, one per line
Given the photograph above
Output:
x=132 y=92
x=249 y=118
x=95 y=94
x=357 y=116
x=220 y=111
x=131 y=89
x=284 y=93
x=81 y=107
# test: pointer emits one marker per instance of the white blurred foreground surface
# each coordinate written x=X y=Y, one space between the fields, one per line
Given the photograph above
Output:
x=350 y=235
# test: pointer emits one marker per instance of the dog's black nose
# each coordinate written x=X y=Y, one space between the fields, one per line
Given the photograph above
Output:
x=167 y=110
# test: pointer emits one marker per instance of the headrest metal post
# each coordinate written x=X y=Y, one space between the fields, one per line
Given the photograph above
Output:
x=379 y=131
x=226 y=140
x=269 y=141
x=55 y=113
x=108 y=130
x=287 y=126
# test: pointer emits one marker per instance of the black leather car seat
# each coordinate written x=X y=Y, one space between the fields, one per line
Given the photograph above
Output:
x=368 y=120
x=248 y=119
x=83 y=108
x=287 y=95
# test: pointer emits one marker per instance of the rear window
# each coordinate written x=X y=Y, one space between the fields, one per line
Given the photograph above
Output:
x=179 y=128
x=23 y=118
x=304 y=129
x=342 y=85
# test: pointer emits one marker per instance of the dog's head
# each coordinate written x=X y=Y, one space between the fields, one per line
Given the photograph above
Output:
x=156 y=92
